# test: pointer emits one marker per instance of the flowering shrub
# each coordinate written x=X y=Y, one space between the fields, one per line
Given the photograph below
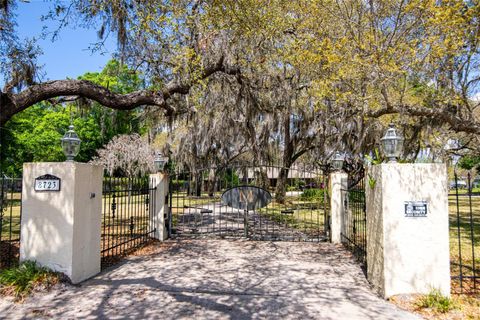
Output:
x=130 y=154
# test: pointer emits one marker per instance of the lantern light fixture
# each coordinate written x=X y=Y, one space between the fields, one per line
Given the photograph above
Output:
x=392 y=144
x=71 y=144
x=160 y=162
x=337 y=161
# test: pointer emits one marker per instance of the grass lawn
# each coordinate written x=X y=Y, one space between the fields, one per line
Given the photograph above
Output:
x=307 y=216
x=465 y=239
x=464 y=191
x=10 y=221
x=181 y=200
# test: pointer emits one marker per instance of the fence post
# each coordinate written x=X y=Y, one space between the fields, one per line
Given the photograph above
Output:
x=407 y=229
x=338 y=185
x=160 y=205
x=61 y=217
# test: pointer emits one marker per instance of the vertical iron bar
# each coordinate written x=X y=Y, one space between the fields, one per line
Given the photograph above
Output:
x=104 y=200
x=458 y=235
x=171 y=190
x=136 y=195
x=10 y=252
x=20 y=217
x=472 y=239
x=2 y=206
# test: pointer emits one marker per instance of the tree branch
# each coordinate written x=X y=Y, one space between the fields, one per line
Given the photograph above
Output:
x=457 y=123
x=11 y=103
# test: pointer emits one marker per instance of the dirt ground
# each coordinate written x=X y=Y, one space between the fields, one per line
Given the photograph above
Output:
x=218 y=279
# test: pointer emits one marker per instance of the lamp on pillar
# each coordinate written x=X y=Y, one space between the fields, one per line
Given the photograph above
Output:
x=337 y=161
x=392 y=144
x=71 y=144
x=160 y=162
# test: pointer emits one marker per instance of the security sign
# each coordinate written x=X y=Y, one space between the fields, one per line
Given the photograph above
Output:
x=416 y=208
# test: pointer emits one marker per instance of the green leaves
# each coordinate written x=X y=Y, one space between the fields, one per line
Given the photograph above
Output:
x=436 y=301
x=22 y=279
x=468 y=162
x=34 y=134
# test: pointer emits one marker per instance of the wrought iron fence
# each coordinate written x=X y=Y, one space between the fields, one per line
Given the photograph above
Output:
x=354 y=229
x=298 y=210
x=128 y=216
x=10 y=215
x=464 y=203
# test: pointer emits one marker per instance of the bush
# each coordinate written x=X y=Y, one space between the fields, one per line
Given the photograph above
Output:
x=312 y=195
x=230 y=179
x=291 y=188
x=436 y=301
x=356 y=196
x=178 y=184
x=21 y=280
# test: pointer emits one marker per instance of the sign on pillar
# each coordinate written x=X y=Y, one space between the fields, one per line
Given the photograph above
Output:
x=407 y=229
x=61 y=217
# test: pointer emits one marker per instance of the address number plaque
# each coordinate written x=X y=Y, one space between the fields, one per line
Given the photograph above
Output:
x=47 y=182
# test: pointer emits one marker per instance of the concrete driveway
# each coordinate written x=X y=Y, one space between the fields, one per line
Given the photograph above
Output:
x=219 y=279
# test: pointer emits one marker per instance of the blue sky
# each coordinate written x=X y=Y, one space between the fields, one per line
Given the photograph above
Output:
x=68 y=56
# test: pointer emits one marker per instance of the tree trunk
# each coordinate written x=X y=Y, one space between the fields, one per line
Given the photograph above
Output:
x=211 y=182
x=281 y=188
x=261 y=178
x=198 y=184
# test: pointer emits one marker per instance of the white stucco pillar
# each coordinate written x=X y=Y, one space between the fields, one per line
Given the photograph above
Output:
x=408 y=250
x=160 y=181
x=61 y=228
x=338 y=185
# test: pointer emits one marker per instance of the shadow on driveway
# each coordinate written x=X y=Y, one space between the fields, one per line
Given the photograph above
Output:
x=220 y=279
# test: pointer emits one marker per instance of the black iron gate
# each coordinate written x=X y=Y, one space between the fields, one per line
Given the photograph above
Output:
x=298 y=210
x=10 y=215
x=464 y=203
x=354 y=231
x=128 y=216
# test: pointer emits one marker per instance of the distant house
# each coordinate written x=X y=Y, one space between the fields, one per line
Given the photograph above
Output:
x=307 y=177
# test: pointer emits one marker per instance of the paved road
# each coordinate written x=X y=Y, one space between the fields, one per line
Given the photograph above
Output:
x=219 y=279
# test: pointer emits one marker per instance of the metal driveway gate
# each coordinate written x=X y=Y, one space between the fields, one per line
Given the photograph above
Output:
x=10 y=216
x=464 y=204
x=298 y=213
x=354 y=232
x=127 y=216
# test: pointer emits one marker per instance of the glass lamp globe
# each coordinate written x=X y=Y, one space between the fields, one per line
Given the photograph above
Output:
x=337 y=161
x=160 y=162
x=392 y=144
x=71 y=144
